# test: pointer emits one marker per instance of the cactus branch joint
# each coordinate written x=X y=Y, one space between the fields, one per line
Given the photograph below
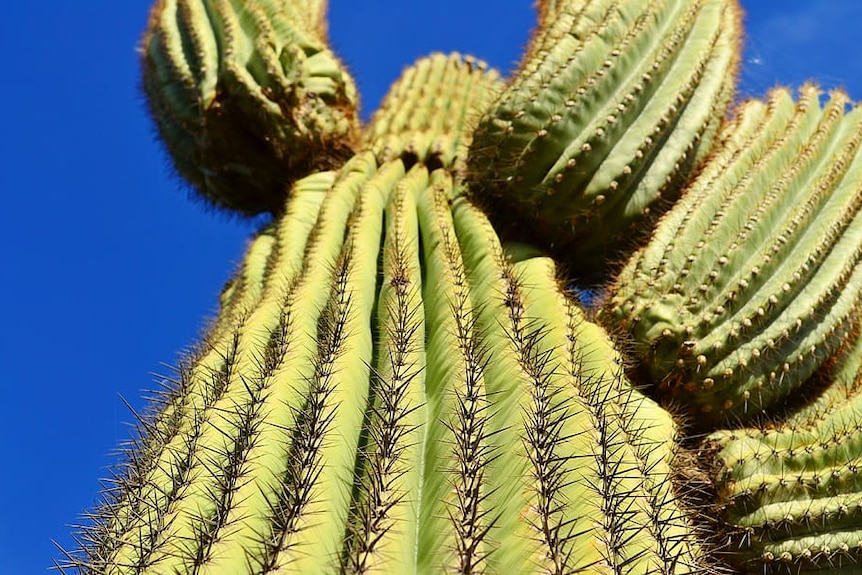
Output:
x=401 y=379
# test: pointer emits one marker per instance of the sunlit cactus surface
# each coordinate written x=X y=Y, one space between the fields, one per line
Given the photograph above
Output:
x=594 y=317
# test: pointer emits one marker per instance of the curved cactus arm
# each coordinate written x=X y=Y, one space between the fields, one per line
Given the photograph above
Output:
x=613 y=107
x=428 y=114
x=791 y=495
x=383 y=532
x=843 y=385
x=751 y=282
x=247 y=97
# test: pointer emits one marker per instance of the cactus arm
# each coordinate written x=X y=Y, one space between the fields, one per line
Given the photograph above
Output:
x=843 y=386
x=790 y=493
x=615 y=102
x=748 y=139
x=702 y=97
x=427 y=111
x=247 y=97
x=592 y=146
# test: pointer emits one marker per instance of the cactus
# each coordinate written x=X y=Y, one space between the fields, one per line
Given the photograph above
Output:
x=750 y=284
x=614 y=105
x=791 y=493
x=248 y=97
x=400 y=379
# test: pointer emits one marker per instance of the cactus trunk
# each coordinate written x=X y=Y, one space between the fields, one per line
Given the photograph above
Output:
x=384 y=409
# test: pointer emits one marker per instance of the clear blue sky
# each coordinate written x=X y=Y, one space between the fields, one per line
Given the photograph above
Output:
x=108 y=268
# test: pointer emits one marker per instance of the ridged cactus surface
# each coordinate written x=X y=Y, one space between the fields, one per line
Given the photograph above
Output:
x=247 y=96
x=792 y=493
x=751 y=282
x=614 y=105
x=401 y=379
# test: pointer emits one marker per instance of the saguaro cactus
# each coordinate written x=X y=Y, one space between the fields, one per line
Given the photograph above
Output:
x=400 y=379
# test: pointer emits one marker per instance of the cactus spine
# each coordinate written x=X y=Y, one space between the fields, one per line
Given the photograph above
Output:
x=398 y=380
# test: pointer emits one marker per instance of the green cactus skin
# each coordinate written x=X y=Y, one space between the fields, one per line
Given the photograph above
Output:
x=448 y=476
x=247 y=96
x=751 y=282
x=614 y=105
x=791 y=494
x=390 y=387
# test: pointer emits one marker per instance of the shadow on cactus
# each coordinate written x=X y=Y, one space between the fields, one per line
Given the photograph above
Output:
x=399 y=379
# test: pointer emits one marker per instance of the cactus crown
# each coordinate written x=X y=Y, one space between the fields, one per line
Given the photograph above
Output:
x=399 y=381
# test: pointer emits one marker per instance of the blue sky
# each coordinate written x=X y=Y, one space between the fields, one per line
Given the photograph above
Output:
x=110 y=270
